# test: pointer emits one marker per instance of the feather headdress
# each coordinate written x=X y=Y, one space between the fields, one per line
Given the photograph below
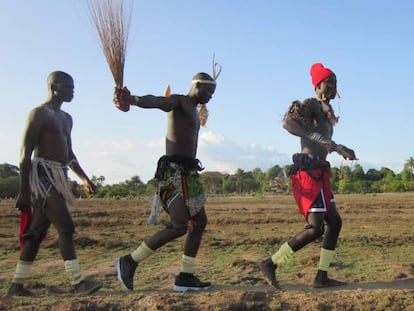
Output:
x=203 y=111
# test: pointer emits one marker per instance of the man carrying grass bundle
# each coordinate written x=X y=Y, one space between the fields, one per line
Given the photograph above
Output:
x=313 y=122
x=44 y=185
x=180 y=191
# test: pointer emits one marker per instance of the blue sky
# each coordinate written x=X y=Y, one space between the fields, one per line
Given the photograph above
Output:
x=265 y=47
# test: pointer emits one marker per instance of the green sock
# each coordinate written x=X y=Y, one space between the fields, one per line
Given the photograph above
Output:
x=284 y=254
x=326 y=259
x=142 y=252
x=188 y=264
x=72 y=267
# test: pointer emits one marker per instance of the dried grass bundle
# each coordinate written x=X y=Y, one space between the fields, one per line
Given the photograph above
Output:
x=112 y=20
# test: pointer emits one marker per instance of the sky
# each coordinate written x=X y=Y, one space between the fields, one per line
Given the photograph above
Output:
x=265 y=48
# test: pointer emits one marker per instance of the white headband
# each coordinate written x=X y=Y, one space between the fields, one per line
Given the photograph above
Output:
x=204 y=81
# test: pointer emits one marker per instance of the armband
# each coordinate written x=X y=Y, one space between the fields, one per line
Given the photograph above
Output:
x=316 y=137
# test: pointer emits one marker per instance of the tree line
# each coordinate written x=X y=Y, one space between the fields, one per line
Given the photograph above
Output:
x=344 y=179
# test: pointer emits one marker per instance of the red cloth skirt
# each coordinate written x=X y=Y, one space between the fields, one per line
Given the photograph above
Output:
x=308 y=185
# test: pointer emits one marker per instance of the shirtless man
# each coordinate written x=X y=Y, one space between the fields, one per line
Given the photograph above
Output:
x=180 y=191
x=44 y=185
x=313 y=122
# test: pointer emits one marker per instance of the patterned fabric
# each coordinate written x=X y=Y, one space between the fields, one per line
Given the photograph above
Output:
x=180 y=181
x=46 y=184
x=46 y=174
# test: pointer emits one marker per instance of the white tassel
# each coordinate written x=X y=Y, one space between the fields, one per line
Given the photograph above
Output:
x=153 y=218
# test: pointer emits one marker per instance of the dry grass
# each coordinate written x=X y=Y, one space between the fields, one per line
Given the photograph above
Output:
x=374 y=254
x=112 y=20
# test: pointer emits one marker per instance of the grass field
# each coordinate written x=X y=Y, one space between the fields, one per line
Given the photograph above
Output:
x=375 y=255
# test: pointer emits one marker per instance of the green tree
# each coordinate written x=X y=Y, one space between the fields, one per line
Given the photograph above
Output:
x=358 y=173
x=260 y=178
x=212 y=182
x=409 y=165
x=334 y=178
x=9 y=181
x=9 y=187
x=274 y=171
x=345 y=173
x=8 y=170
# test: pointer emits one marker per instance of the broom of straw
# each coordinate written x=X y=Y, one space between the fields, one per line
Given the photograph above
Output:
x=112 y=23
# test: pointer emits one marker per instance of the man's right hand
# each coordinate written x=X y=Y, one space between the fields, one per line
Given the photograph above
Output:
x=123 y=98
x=23 y=202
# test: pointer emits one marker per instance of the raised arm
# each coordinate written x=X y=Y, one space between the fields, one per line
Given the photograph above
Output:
x=123 y=99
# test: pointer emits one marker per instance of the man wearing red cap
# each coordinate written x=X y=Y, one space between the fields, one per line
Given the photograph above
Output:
x=313 y=122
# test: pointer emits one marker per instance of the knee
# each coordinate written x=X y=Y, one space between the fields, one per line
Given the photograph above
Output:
x=335 y=223
x=67 y=231
x=35 y=235
x=178 y=229
x=201 y=223
x=316 y=231
x=338 y=222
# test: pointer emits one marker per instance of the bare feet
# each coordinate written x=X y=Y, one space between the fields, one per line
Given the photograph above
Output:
x=322 y=280
x=87 y=286
x=268 y=269
x=18 y=290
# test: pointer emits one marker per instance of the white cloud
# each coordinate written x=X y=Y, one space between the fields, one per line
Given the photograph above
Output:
x=209 y=137
x=119 y=160
x=219 y=154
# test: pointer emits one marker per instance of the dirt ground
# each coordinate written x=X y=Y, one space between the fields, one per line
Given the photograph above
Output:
x=374 y=256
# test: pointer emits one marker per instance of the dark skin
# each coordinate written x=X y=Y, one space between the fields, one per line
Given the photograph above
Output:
x=325 y=91
x=182 y=140
x=48 y=135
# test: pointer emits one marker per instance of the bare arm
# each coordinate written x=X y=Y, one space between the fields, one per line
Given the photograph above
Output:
x=30 y=138
x=164 y=103
x=77 y=169
x=123 y=100
x=299 y=121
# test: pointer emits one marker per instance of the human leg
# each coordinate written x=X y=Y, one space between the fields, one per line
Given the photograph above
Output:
x=126 y=265
x=193 y=239
x=186 y=280
x=33 y=238
x=179 y=217
x=59 y=215
x=312 y=231
x=334 y=224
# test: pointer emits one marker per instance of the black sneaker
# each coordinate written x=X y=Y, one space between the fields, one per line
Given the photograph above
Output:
x=268 y=269
x=125 y=268
x=87 y=286
x=18 y=290
x=188 y=281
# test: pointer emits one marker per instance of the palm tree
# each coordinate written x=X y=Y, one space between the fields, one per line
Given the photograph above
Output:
x=409 y=164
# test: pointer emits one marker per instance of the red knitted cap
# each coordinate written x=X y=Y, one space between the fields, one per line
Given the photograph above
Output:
x=318 y=73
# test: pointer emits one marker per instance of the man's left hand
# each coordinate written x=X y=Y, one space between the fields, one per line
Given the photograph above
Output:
x=347 y=153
